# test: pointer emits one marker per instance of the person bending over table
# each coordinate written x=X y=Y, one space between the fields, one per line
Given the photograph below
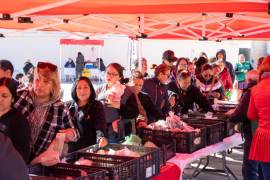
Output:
x=188 y=94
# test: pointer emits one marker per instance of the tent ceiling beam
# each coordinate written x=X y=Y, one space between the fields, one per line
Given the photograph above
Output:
x=43 y=8
x=35 y=28
x=182 y=35
x=203 y=27
x=141 y=23
x=242 y=31
x=229 y=28
x=164 y=30
x=170 y=21
x=108 y=19
x=113 y=30
x=257 y=32
x=192 y=32
x=245 y=17
x=45 y=25
x=212 y=31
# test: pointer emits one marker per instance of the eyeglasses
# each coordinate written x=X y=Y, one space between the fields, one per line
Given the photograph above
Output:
x=112 y=74
x=43 y=65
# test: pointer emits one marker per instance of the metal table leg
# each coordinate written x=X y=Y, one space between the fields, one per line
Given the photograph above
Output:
x=225 y=169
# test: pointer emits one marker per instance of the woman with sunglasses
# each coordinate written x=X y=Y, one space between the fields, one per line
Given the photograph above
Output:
x=46 y=113
x=14 y=124
x=88 y=115
x=117 y=106
x=188 y=94
x=209 y=85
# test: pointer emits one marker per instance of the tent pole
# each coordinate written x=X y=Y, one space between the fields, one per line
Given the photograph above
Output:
x=60 y=68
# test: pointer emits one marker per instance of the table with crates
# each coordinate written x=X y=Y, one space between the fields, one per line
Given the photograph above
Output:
x=175 y=151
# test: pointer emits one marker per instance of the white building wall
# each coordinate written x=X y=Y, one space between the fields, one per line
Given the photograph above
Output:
x=116 y=49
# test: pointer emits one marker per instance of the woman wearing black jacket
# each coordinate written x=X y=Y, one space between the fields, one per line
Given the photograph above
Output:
x=188 y=94
x=88 y=115
x=12 y=122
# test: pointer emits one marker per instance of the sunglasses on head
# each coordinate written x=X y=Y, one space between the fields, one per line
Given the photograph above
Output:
x=43 y=65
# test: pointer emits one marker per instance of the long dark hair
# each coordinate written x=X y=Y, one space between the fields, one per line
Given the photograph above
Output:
x=92 y=94
x=10 y=84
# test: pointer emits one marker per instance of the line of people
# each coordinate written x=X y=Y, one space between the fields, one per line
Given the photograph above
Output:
x=33 y=116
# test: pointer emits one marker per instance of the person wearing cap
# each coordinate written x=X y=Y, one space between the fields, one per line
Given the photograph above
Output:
x=188 y=94
x=157 y=89
x=168 y=58
x=6 y=70
x=46 y=113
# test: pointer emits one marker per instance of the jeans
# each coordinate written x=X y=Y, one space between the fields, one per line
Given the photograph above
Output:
x=251 y=170
x=265 y=170
x=249 y=167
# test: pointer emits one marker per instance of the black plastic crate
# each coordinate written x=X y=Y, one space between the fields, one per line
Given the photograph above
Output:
x=64 y=171
x=229 y=126
x=149 y=160
x=168 y=149
x=186 y=142
x=214 y=130
x=117 y=167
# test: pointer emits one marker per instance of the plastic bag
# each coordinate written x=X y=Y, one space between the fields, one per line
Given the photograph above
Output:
x=115 y=92
x=51 y=155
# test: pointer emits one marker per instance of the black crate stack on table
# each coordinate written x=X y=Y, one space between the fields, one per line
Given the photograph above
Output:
x=65 y=171
x=186 y=142
x=149 y=160
x=117 y=167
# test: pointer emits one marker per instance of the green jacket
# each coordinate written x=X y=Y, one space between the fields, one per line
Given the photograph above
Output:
x=241 y=69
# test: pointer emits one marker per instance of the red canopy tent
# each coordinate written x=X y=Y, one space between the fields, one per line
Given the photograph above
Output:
x=173 y=19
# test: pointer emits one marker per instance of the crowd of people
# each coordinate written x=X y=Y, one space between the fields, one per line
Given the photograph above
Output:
x=32 y=115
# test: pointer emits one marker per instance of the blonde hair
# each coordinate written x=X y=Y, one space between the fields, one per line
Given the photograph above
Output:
x=52 y=76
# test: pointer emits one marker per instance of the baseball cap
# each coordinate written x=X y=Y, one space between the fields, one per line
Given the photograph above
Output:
x=169 y=56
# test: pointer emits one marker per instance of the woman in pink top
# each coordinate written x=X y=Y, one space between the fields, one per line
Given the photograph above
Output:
x=259 y=109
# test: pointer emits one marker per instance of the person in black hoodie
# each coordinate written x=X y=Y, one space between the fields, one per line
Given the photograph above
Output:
x=239 y=115
x=88 y=115
x=188 y=94
x=221 y=54
x=148 y=112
